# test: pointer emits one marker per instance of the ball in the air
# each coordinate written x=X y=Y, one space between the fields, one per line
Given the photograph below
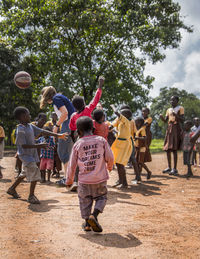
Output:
x=22 y=80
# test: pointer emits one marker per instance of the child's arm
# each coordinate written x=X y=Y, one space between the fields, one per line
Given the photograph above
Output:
x=40 y=145
x=49 y=133
x=115 y=110
x=163 y=119
x=97 y=96
x=71 y=168
x=109 y=158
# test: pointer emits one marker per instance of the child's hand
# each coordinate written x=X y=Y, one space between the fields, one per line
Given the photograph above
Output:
x=113 y=107
x=63 y=136
x=101 y=81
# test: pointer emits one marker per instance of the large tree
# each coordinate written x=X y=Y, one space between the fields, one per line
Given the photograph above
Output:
x=160 y=104
x=72 y=42
x=10 y=95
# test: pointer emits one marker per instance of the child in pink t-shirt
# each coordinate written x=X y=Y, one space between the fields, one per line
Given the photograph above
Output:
x=93 y=155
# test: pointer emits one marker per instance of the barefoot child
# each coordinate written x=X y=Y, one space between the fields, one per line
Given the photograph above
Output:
x=196 y=148
x=93 y=156
x=2 y=136
x=174 y=117
x=140 y=145
x=187 y=147
x=27 y=152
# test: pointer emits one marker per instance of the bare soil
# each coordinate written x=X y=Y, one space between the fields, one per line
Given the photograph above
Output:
x=156 y=219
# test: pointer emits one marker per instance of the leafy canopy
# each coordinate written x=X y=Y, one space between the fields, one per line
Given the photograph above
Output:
x=70 y=43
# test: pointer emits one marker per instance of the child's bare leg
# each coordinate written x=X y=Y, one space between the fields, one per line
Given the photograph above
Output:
x=49 y=174
x=175 y=159
x=43 y=176
x=32 y=198
x=122 y=176
x=147 y=170
x=167 y=170
x=11 y=191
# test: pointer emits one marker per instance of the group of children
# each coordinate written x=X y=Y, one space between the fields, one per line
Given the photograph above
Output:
x=91 y=156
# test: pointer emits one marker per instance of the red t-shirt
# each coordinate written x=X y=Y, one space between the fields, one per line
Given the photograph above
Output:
x=101 y=129
x=87 y=111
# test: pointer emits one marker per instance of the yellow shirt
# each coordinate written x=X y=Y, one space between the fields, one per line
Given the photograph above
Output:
x=2 y=133
x=122 y=146
x=148 y=120
x=178 y=109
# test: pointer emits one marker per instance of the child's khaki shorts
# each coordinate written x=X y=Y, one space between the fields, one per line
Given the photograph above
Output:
x=31 y=172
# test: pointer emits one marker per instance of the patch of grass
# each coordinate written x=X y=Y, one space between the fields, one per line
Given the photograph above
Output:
x=156 y=145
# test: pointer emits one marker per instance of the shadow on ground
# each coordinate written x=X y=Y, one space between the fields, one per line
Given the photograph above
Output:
x=112 y=240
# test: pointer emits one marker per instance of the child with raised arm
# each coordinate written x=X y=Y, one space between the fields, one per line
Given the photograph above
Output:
x=83 y=110
x=93 y=156
x=27 y=152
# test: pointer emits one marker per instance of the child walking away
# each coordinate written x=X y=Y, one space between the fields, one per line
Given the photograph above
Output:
x=91 y=154
x=196 y=148
x=100 y=127
x=122 y=146
x=2 y=136
x=174 y=116
x=27 y=152
x=47 y=157
x=140 y=146
x=82 y=110
x=187 y=147
x=147 y=125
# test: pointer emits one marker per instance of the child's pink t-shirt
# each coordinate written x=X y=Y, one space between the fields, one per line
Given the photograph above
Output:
x=90 y=154
x=87 y=111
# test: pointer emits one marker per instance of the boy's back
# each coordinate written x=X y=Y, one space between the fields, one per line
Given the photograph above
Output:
x=91 y=153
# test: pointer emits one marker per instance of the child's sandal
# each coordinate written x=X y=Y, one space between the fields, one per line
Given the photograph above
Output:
x=33 y=200
x=86 y=227
x=13 y=193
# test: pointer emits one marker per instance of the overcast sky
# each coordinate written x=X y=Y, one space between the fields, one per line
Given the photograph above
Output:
x=181 y=68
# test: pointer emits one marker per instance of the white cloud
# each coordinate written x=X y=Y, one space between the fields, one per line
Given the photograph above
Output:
x=181 y=66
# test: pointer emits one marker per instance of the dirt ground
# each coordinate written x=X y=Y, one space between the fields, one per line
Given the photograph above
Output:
x=156 y=219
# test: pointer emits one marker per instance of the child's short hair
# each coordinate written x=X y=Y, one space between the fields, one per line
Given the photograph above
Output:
x=189 y=123
x=18 y=111
x=41 y=114
x=146 y=109
x=98 y=114
x=78 y=102
x=84 y=123
x=126 y=113
x=139 y=120
x=125 y=106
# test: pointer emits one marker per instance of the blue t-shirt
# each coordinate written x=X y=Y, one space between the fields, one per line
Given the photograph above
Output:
x=25 y=135
x=60 y=100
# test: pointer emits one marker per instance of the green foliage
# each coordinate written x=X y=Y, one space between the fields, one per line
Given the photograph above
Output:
x=70 y=43
x=156 y=145
x=10 y=95
x=160 y=104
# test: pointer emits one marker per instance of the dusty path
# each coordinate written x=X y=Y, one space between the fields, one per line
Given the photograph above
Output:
x=158 y=219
